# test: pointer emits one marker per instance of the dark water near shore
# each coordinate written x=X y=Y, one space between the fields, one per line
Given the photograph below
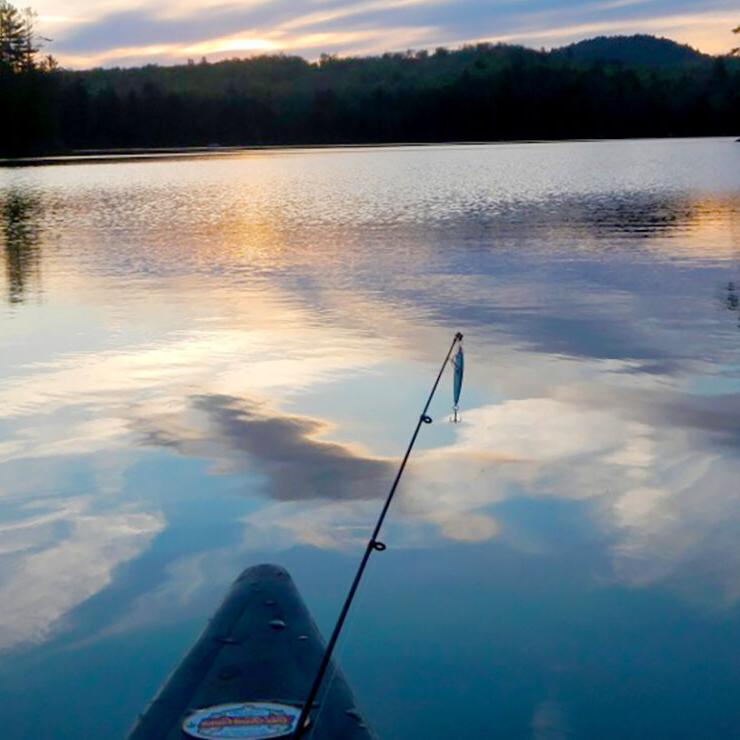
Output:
x=210 y=363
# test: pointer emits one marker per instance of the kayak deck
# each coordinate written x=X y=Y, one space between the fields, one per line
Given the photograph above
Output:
x=261 y=646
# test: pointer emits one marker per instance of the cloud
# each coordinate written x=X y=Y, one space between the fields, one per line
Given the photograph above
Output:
x=660 y=495
x=54 y=561
x=169 y=32
x=527 y=443
x=145 y=27
x=298 y=465
x=715 y=416
x=86 y=403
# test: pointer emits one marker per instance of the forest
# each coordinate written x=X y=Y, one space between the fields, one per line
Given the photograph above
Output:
x=600 y=88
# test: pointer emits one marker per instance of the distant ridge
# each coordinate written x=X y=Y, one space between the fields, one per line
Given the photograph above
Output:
x=638 y=50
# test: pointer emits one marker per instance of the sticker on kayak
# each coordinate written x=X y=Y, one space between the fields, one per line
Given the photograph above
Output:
x=255 y=720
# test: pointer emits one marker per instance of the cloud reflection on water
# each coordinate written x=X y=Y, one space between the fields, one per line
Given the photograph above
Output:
x=54 y=561
x=646 y=463
x=285 y=449
x=225 y=312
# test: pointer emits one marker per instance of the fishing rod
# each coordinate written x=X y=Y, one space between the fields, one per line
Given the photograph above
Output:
x=374 y=543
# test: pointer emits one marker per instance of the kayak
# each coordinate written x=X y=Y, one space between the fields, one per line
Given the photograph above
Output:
x=250 y=671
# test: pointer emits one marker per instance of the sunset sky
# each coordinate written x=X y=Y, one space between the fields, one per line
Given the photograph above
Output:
x=117 y=32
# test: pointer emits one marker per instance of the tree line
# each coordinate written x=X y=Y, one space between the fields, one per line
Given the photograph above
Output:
x=480 y=92
x=27 y=86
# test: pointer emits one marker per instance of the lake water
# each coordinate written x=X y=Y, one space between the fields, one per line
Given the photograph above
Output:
x=212 y=362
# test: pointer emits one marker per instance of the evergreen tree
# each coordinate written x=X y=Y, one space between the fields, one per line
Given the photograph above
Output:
x=28 y=93
x=30 y=44
x=19 y=44
x=12 y=37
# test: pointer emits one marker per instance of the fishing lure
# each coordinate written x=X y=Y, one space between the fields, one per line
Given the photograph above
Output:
x=458 y=362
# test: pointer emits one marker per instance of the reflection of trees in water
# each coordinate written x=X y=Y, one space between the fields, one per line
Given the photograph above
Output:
x=693 y=223
x=643 y=214
x=731 y=299
x=646 y=214
x=19 y=214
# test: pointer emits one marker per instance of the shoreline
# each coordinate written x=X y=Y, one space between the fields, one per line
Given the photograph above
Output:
x=102 y=156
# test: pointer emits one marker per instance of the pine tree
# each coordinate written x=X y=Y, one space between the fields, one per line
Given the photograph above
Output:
x=18 y=41
x=11 y=35
x=29 y=45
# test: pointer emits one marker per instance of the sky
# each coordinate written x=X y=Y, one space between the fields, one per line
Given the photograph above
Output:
x=108 y=33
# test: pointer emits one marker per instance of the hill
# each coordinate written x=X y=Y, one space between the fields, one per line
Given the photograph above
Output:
x=638 y=50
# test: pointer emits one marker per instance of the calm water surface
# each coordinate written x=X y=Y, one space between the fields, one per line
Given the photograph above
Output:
x=206 y=363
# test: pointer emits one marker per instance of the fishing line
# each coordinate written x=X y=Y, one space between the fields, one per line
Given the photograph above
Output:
x=373 y=544
x=333 y=670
